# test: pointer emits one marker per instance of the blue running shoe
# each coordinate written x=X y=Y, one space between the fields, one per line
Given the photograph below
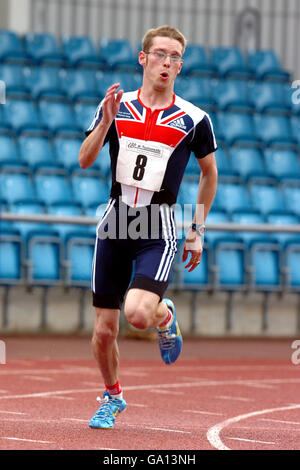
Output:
x=108 y=411
x=170 y=339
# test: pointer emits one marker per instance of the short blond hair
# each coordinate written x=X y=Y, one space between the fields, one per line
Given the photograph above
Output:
x=164 y=31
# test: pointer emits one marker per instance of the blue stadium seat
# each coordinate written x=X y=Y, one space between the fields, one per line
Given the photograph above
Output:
x=197 y=90
x=28 y=207
x=79 y=255
x=295 y=124
x=229 y=265
x=11 y=257
x=43 y=48
x=192 y=169
x=237 y=128
x=284 y=218
x=265 y=266
x=223 y=163
x=249 y=216
x=188 y=192
x=291 y=196
x=270 y=97
x=117 y=53
x=230 y=62
x=266 y=197
x=67 y=151
x=80 y=51
x=79 y=83
x=103 y=162
x=9 y=151
x=291 y=265
x=66 y=209
x=85 y=113
x=89 y=189
x=52 y=187
x=274 y=130
x=16 y=186
x=13 y=77
x=216 y=216
x=232 y=95
x=265 y=65
x=197 y=279
x=43 y=81
x=12 y=48
x=58 y=117
x=4 y=124
x=43 y=259
x=36 y=150
x=196 y=61
x=129 y=80
x=232 y=196
x=22 y=115
x=246 y=161
x=282 y=163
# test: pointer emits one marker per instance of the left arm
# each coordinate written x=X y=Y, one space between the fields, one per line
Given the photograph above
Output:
x=205 y=196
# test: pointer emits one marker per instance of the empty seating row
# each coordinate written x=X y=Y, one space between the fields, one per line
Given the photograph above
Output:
x=120 y=53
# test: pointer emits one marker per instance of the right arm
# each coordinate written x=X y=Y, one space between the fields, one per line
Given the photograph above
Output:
x=93 y=143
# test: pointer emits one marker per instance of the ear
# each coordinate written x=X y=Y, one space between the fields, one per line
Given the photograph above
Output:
x=142 y=58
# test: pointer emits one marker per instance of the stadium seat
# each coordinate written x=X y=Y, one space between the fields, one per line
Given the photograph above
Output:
x=58 y=117
x=232 y=95
x=89 y=189
x=212 y=236
x=295 y=124
x=197 y=90
x=79 y=84
x=43 y=81
x=249 y=216
x=43 y=259
x=274 y=130
x=232 y=196
x=85 y=113
x=66 y=209
x=67 y=151
x=52 y=187
x=22 y=115
x=246 y=161
x=13 y=77
x=291 y=196
x=291 y=265
x=283 y=218
x=266 y=197
x=80 y=51
x=129 y=80
x=102 y=163
x=117 y=54
x=265 y=266
x=192 y=169
x=188 y=192
x=42 y=48
x=265 y=65
x=223 y=163
x=270 y=97
x=12 y=48
x=28 y=207
x=11 y=257
x=237 y=129
x=79 y=256
x=229 y=62
x=196 y=61
x=16 y=186
x=282 y=163
x=229 y=265
x=36 y=150
x=9 y=151
x=197 y=279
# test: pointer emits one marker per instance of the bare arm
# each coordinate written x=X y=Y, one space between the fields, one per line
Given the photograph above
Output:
x=205 y=196
x=92 y=145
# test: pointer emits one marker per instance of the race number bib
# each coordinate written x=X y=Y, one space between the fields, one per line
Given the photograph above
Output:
x=142 y=163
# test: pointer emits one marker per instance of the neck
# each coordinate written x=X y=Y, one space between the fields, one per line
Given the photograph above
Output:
x=156 y=99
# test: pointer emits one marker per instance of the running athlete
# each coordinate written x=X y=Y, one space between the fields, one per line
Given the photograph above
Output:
x=151 y=134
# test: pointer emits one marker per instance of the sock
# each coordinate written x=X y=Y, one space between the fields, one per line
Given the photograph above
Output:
x=115 y=390
x=168 y=320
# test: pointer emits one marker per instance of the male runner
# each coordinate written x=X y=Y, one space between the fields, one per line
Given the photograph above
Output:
x=151 y=133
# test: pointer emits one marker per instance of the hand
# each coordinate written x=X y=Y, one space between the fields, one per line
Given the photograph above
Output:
x=192 y=245
x=111 y=103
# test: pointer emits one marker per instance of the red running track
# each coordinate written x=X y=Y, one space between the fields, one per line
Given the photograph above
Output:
x=221 y=394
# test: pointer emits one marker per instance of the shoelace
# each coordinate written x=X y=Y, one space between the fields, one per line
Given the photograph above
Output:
x=104 y=410
x=166 y=339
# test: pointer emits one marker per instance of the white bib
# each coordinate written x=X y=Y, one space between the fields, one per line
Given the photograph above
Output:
x=142 y=163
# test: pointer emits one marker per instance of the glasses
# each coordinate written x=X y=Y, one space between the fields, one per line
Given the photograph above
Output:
x=161 y=56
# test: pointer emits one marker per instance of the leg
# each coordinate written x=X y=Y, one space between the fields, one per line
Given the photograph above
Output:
x=143 y=309
x=104 y=343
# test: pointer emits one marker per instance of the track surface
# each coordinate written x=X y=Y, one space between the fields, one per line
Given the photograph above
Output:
x=223 y=394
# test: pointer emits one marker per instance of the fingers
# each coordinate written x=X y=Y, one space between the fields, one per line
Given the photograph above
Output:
x=194 y=260
x=112 y=102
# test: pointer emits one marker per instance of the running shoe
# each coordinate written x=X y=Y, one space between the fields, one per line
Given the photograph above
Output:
x=170 y=339
x=109 y=409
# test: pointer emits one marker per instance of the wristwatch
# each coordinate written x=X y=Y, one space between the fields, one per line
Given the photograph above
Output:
x=200 y=229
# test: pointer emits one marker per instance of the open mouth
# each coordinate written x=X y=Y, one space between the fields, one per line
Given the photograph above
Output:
x=164 y=75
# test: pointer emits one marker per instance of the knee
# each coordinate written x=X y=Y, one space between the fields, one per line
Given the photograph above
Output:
x=139 y=316
x=105 y=334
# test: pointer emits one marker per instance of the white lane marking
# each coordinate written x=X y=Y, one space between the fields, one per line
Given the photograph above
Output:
x=37 y=377
x=166 y=392
x=225 y=397
x=203 y=412
x=26 y=440
x=213 y=434
x=279 y=421
x=13 y=412
x=152 y=428
x=249 y=440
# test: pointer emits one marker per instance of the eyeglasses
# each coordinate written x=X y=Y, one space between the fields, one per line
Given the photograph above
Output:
x=161 y=56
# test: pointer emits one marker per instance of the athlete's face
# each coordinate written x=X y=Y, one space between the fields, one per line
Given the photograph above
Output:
x=162 y=62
